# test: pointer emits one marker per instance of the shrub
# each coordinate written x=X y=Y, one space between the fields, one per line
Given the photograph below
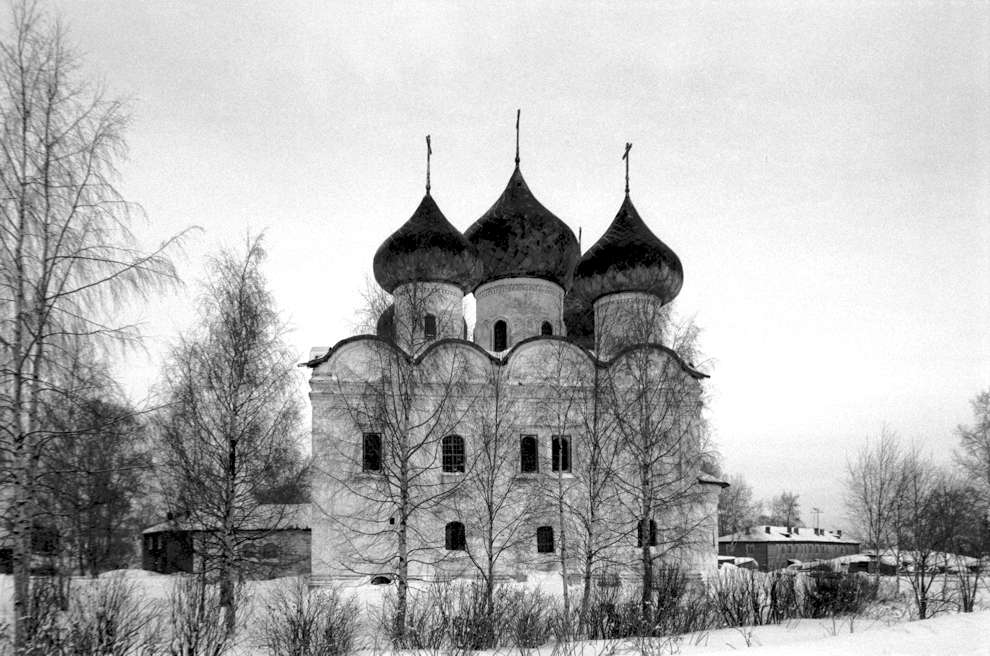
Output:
x=529 y=617
x=828 y=593
x=457 y=616
x=100 y=617
x=106 y=618
x=300 y=622
x=197 y=619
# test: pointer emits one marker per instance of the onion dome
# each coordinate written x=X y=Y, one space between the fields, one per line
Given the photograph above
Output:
x=628 y=258
x=427 y=248
x=519 y=238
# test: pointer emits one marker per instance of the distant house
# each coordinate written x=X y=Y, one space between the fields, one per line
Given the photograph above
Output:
x=276 y=544
x=776 y=547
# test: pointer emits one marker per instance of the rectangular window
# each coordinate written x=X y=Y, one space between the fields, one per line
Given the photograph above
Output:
x=561 y=453
x=528 y=461
x=371 y=460
x=452 y=454
x=544 y=539
x=430 y=327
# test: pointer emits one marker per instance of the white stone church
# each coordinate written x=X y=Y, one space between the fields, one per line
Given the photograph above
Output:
x=562 y=435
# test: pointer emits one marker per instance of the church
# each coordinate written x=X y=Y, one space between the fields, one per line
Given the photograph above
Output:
x=562 y=435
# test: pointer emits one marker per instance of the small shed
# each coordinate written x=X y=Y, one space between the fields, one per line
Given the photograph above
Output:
x=273 y=542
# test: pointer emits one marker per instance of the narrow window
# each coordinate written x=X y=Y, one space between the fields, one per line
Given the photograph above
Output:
x=430 y=327
x=546 y=328
x=452 y=448
x=454 y=539
x=653 y=534
x=372 y=457
x=500 y=338
x=528 y=462
x=560 y=453
x=544 y=539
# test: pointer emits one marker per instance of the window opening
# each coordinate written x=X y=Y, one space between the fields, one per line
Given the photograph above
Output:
x=652 y=536
x=372 y=456
x=430 y=326
x=528 y=462
x=454 y=538
x=500 y=338
x=546 y=328
x=544 y=539
x=452 y=448
x=560 y=453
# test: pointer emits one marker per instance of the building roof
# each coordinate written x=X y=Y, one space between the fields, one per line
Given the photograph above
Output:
x=708 y=479
x=782 y=534
x=266 y=517
x=427 y=248
x=628 y=258
x=519 y=238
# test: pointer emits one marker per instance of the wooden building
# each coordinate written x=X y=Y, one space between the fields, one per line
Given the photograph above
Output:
x=275 y=544
x=776 y=547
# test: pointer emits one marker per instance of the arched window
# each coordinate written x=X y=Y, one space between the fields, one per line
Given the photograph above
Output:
x=560 y=453
x=453 y=537
x=500 y=336
x=544 y=539
x=528 y=455
x=546 y=328
x=371 y=459
x=430 y=326
x=452 y=449
x=653 y=534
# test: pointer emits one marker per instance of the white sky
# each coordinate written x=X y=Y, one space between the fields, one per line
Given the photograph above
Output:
x=821 y=169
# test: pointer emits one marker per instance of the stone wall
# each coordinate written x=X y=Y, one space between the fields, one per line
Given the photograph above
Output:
x=536 y=392
x=524 y=304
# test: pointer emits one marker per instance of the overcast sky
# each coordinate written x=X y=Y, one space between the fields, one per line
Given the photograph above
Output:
x=822 y=170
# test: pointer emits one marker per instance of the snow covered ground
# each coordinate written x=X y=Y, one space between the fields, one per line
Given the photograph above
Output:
x=945 y=635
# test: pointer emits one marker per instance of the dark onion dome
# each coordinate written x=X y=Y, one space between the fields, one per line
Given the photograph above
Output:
x=519 y=238
x=385 y=328
x=427 y=248
x=579 y=319
x=628 y=258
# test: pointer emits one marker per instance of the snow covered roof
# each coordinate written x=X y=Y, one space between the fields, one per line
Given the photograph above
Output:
x=784 y=534
x=265 y=517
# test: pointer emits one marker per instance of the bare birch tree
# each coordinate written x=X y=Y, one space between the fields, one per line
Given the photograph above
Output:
x=973 y=456
x=920 y=529
x=67 y=255
x=403 y=408
x=580 y=486
x=497 y=498
x=657 y=401
x=874 y=485
x=232 y=411
x=94 y=473
x=736 y=508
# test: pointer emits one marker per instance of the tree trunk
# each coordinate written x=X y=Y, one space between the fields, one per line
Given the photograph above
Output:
x=562 y=518
x=401 y=605
x=586 y=593
x=646 y=601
